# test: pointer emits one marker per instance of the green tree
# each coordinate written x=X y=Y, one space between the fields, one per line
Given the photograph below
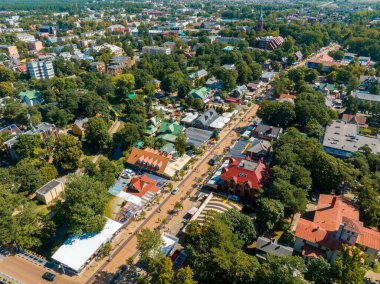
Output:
x=28 y=177
x=286 y=270
x=6 y=89
x=97 y=137
x=240 y=224
x=349 y=268
x=67 y=152
x=149 y=244
x=26 y=144
x=180 y=144
x=185 y=276
x=319 y=271
x=277 y=113
x=294 y=199
x=314 y=129
x=85 y=200
x=270 y=212
x=130 y=135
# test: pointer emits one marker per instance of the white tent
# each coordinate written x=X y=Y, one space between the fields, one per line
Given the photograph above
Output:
x=78 y=249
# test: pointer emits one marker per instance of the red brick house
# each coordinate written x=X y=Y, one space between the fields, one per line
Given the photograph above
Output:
x=244 y=178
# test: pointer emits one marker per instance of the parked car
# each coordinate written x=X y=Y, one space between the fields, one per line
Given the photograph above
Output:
x=49 y=276
x=213 y=160
x=233 y=198
x=174 y=191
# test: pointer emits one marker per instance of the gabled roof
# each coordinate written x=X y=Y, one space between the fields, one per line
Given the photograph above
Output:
x=331 y=213
x=207 y=117
x=149 y=159
x=138 y=186
x=245 y=172
x=360 y=120
x=173 y=128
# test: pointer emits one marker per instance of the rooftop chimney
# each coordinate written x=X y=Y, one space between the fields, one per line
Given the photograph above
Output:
x=333 y=201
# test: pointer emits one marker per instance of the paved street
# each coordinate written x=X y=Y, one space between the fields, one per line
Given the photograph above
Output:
x=125 y=245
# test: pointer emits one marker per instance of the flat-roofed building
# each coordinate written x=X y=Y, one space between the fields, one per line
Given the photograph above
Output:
x=49 y=191
x=343 y=140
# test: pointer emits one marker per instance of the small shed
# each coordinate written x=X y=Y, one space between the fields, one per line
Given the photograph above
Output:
x=49 y=191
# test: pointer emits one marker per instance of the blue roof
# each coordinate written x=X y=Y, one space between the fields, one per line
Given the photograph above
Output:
x=238 y=148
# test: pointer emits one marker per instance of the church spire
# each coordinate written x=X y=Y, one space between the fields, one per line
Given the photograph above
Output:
x=260 y=22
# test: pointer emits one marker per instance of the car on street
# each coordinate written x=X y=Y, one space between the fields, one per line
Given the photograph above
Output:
x=233 y=198
x=49 y=276
x=174 y=191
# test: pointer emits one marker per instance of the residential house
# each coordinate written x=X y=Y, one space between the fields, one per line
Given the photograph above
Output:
x=268 y=76
x=30 y=97
x=153 y=124
x=354 y=119
x=198 y=75
x=258 y=148
x=265 y=246
x=143 y=186
x=78 y=126
x=267 y=132
x=98 y=67
x=49 y=191
x=205 y=119
x=213 y=83
x=323 y=61
x=201 y=93
x=169 y=131
x=244 y=178
x=336 y=222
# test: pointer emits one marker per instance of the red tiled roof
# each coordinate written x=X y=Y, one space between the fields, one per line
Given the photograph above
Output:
x=254 y=178
x=360 y=120
x=312 y=252
x=149 y=159
x=332 y=211
x=138 y=186
x=315 y=234
x=369 y=238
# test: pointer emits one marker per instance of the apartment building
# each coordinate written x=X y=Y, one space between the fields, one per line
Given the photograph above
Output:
x=40 y=69
x=155 y=50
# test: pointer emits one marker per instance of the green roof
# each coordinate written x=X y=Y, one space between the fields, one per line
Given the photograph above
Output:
x=201 y=93
x=168 y=148
x=228 y=48
x=168 y=137
x=131 y=96
x=330 y=87
x=151 y=129
x=31 y=95
x=173 y=128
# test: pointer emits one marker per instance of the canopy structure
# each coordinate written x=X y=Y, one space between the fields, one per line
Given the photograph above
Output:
x=77 y=250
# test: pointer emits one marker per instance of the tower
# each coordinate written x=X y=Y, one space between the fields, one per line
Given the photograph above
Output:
x=260 y=22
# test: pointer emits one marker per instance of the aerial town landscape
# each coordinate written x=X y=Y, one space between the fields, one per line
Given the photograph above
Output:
x=181 y=142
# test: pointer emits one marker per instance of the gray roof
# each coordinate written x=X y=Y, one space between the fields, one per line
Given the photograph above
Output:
x=268 y=130
x=197 y=136
x=237 y=149
x=208 y=117
x=48 y=187
x=258 y=145
x=267 y=246
x=344 y=137
x=366 y=96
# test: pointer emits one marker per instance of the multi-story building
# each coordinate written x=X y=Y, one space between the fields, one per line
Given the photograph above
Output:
x=40 y=69
x=269 y=42
x=155 y=50
x=336 y=222
x=10 y=50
